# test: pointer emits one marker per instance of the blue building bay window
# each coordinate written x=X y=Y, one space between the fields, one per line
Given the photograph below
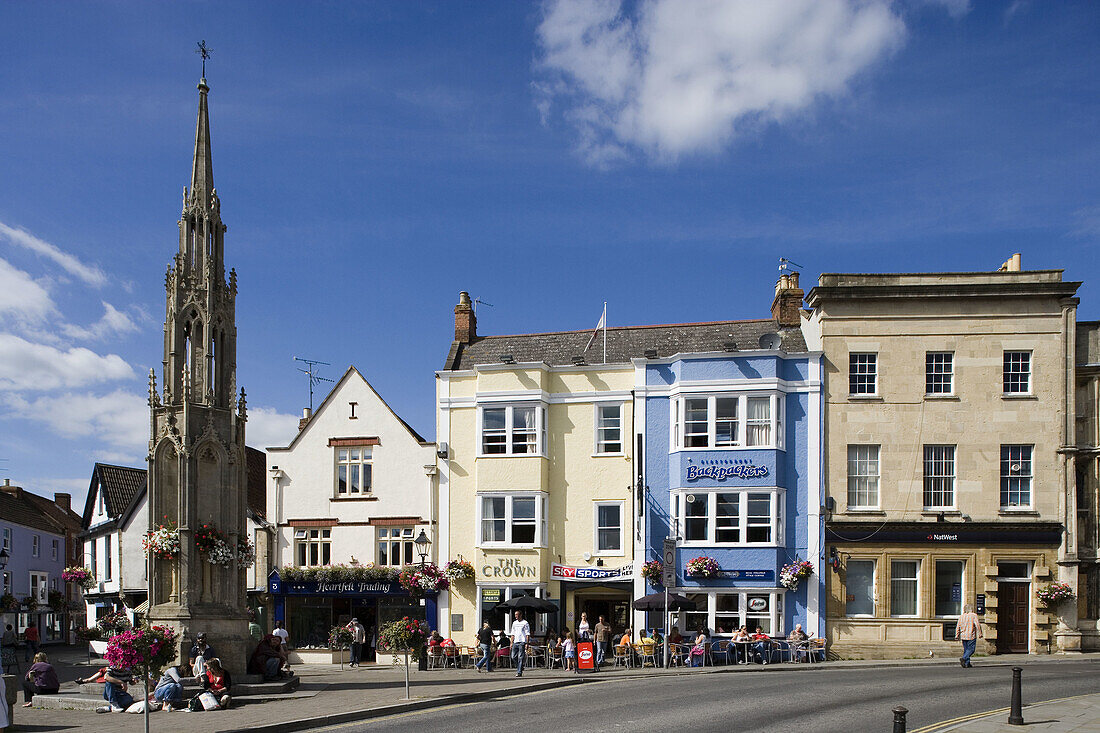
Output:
x=728 y=517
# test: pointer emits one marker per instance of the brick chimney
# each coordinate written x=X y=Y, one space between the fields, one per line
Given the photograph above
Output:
x=465 y=320
x=63 y=500
x=304 y=420
x=787 y=306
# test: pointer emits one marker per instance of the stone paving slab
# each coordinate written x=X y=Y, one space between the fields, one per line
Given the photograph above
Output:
x=1073 y=715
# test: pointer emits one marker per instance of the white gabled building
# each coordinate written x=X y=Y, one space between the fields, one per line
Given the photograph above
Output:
x=355 y=486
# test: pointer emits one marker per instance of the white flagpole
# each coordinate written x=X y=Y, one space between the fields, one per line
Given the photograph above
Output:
x=604 y=332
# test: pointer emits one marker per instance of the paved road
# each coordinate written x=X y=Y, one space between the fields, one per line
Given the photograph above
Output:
x=821 y=700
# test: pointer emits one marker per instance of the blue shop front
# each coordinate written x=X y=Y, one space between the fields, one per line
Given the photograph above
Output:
x=310 y=608
x=733 y=466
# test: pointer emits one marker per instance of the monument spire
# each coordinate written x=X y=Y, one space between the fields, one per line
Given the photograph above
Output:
x=202 y=169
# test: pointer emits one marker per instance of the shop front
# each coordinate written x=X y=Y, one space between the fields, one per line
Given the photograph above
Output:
x=595 y=591
x=902 y=595
x=310 y=608
x=500 y=578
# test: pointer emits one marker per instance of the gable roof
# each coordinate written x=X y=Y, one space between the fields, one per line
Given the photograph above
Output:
x=328 y=398
x=623 y=343
x=119 y=484
x=19 y=506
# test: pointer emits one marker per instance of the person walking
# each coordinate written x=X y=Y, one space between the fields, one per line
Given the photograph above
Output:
x=485 y=643
x=358 y=637
x=968 y=629
x=603 y=640
x=520 y=633
x=282 y=633
x=30 y=635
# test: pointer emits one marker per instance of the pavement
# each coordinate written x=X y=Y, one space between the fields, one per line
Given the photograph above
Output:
x=1079 y=714
x=331 y=696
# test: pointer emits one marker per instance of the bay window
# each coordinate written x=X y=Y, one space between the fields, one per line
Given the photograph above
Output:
x=728 y=517
x=727 y=611
x=727 y=421
x=518 y=519
x=513 y=430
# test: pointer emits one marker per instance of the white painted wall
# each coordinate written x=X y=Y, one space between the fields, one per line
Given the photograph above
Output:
x=304 y=485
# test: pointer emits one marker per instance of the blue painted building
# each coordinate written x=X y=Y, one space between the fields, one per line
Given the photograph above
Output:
x=733 y=469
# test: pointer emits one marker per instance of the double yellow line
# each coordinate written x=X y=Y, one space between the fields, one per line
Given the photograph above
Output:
x=946 y=724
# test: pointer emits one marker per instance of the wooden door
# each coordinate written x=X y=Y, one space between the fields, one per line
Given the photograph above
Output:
x=1012 y=617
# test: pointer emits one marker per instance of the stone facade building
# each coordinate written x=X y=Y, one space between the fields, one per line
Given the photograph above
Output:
x=949 y=411
x=1087 y=482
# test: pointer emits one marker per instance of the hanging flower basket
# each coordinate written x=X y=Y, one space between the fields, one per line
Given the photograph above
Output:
x=1055 y=594
x=340 y=573
x=459 y=570
x=213 y=546
x=246 y=553
x=416 y=580
x=791 y=573
x=652 y=570
x=153 y=648
x=113 y=623
x=92 y=633
x=163 y=542
x=80 y=576
x=30 y=603
x=404 y=634
x=703 y=567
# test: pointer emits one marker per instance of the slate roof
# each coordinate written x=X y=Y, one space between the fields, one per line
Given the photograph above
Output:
x=19 y=506
x=623 y=343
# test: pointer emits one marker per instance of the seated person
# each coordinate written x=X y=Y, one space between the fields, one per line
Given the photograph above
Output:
x=216 y=680
x=41 y=679
x=114 y=690
x=797 y=634
x=200 y=652
x=435 y=639
x=762 y=645
x=96 y=676
x=269 y=659
x=699 y=650
x=675 y=637
x=740 y=651
x=169 y=689
x=625 y=640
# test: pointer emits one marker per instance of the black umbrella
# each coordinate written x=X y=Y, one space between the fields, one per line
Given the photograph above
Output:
x=528 y=603
x=656 y=602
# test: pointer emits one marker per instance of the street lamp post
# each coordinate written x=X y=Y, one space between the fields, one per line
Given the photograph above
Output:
x=422 y=544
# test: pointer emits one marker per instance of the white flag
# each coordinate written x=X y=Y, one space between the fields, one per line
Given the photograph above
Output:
x=602 y=324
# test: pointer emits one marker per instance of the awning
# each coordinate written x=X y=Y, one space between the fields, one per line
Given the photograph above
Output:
x=142 y=607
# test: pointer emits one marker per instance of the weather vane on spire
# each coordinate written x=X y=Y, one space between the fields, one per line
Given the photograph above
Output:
x=203 y=51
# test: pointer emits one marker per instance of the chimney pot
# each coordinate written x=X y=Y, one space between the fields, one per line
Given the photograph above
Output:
x=63 y=500
x=306 y=415
x=787 y=305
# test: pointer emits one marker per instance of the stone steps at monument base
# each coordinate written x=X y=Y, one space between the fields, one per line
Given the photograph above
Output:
x=96 y=688
x=74 y=699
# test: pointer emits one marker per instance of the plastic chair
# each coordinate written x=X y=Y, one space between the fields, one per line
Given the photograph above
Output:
x=815 y=650
x=435 y=657
x=720 y=651
x=621 y=655
x=555 y=656
x=502 y=657
x=647 y=654
x=781 y=647
x=450 y=656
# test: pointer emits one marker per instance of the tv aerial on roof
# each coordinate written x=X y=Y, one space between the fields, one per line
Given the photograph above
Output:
x=314 y=378
x=785 y=264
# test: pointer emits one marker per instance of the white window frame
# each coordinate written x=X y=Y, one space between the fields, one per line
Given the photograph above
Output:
x=868 y=477
x=36 y=545
x=7 y=539
x=322 y=538
x=890 y=580
x=926 y=477
x=775 y=608
x=509 y=430
x=600 y=442
x=776 y=421
x=42 y=586
x=596 y=528
x=365 y=463
x=542 y=508
x=108 y=559
x=776 y=496
x=1006 y=361
x=873 y=374
x=403 y=540
x=1023 y=473
x=933 y=370
x=54 y=549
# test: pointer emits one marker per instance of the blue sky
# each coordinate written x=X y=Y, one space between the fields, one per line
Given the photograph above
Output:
x=373 y=159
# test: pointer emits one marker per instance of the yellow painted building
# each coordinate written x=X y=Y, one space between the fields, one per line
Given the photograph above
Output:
x=535 y=485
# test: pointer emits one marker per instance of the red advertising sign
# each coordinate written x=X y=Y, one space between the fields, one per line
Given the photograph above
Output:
x=586 y=658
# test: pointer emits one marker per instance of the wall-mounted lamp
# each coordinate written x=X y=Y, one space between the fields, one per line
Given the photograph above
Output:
x=442 y=452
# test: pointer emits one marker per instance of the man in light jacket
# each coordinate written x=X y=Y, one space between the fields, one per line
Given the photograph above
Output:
x=968 y=630
x=358 y=636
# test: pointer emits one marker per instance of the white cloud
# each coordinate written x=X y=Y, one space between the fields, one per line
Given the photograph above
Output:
x=29 y=366
x=955 y=8
x=119 y=419
x=676 y=78
x=88 y=273
x=113 y=323
x=267 y=427
x=21 y=297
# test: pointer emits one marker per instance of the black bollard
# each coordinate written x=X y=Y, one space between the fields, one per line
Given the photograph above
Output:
x=899 y=719
x=422 y=661
x=1015 y=714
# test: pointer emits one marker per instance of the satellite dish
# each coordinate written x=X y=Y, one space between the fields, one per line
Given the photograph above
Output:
x=770 y=341
x=587 y=556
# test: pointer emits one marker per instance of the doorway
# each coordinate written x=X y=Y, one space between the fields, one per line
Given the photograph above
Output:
x=1013 y=602
x=615 y=610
